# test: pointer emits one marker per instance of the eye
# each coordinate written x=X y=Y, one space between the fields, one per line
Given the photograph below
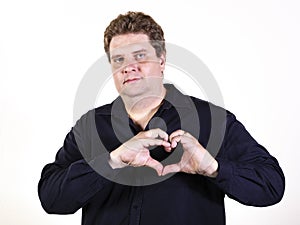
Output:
x=139 y=56
x=118 y=60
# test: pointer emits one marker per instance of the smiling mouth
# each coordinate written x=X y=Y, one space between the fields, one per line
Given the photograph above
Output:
x=132 y=80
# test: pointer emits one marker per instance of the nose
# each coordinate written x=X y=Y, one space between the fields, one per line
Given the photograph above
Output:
x=130 y=66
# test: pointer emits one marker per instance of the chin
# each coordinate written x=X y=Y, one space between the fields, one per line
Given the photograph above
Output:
x=136 y=91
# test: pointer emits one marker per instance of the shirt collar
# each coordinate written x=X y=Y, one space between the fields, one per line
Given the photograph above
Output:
x=175 y=98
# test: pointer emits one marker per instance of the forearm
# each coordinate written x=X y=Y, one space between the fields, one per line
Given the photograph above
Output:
x=65 y=190
x=256 y=184
x=79 y=171
x=247 y=172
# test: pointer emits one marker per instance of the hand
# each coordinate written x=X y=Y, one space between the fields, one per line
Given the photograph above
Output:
x=135 y=152
x=195 y=159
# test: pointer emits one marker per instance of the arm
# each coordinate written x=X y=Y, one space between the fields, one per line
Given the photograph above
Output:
x=69 y=182
x=247 y=172
x=243 y=169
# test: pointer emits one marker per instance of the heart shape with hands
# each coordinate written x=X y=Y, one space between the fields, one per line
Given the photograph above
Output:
x=135 y=152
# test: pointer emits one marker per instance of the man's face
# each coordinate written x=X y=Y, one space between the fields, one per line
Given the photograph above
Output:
x=136 y=68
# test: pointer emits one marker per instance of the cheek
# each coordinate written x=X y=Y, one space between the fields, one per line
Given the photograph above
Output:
x=118 y=80
x=151 y=69
x=156 y=71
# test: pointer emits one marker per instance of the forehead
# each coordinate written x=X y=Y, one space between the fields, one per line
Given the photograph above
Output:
x=129 y=43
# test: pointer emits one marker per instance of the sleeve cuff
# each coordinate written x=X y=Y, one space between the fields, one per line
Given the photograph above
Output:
x=225 y=174
x=101 y=166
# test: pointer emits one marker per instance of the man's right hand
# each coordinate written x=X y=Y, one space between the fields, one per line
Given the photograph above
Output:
x=135 y=151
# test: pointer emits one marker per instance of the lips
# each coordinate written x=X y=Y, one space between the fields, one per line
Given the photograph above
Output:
x=131 y=80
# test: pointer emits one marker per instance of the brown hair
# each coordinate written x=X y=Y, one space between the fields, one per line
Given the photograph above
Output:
x=136 y=22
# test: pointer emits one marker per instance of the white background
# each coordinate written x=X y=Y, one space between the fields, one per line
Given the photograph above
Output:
x=251 y=47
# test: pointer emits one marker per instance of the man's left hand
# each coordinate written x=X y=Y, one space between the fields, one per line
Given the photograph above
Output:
x=195 y=159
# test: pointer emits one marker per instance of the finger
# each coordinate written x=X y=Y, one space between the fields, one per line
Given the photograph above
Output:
x=139 y=144
x=173 y=168
x=152 y=163
x=168 y=149
x=180 y=136
x=155 y=133
x=155 y=142
x=176 y=133
x=175 y=140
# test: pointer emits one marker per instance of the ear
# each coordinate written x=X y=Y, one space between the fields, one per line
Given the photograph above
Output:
x=162 y=62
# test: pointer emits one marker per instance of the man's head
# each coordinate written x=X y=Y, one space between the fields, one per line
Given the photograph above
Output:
x=135 y=46
x=137 y=23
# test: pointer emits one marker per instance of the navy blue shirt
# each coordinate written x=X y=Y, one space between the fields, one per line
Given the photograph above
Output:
x=81 y=178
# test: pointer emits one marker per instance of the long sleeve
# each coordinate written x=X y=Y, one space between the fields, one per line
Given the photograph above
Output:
x=247 y=172
x=69 y=182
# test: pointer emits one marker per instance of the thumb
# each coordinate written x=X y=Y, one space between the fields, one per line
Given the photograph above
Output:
x=152 y=163
x=173 y=168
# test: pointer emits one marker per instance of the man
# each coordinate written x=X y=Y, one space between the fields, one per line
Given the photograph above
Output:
x=155 y=156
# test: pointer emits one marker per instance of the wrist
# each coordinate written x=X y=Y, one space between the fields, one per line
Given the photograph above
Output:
x=115 y=162
x=212 y=169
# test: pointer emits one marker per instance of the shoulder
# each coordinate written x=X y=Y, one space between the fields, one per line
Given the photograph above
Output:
x=207 y=107
x=214 y=113
x=89 y=117
x=103 y=110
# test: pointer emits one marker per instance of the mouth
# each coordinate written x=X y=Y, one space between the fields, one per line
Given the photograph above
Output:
x=131 y=80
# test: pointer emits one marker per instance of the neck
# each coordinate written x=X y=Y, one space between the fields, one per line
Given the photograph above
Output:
x=142 y=108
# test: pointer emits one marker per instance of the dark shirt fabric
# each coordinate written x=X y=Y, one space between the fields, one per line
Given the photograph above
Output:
x=81 y=178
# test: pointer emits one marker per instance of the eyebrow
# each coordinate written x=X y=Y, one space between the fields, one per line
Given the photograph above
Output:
x=116 y=56
x=139 y=51
x=134 y=52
